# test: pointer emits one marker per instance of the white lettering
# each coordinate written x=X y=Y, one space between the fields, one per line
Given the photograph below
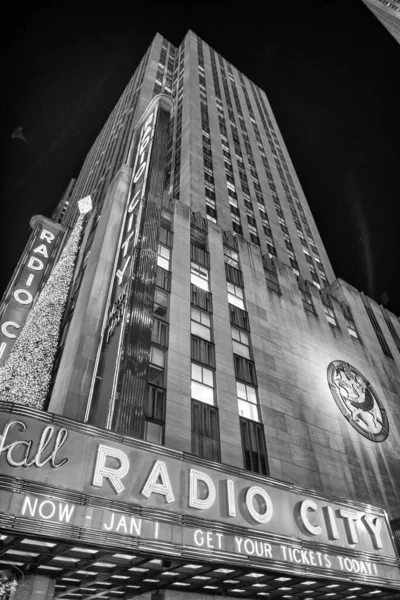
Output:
x=198 y=537
x=158 y=482
x=35 y=263
x=194 y=500
x=6 y=325
x=44 y=441
x=350 y=517
x=264 y=517
x=47 y=235
x=110 y=525
x=3 y=346
x=29 y=280
x=122 y=524
x=119 y=274
x=134 y=202
x=373 y=525
x=304 y=507
x=139 y=172
x=18 y=296
x=330 y=523
x=136 y=526
x=28 y=505
x=42 y=249
x=238 y=542
x=50 y=515
x=114 y=475
x=230 y=489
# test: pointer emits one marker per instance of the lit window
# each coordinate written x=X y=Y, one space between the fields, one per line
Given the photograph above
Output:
x=231 y=257
x=240 y=342
x=199 y=276
x=201 y=324
x=235 y=219
x=163 y=256
x=235 y=295
x=330 y=315
x=247 y=401
x=156 y=367
x=202 y=385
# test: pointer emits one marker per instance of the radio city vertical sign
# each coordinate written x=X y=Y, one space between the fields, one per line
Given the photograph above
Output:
x=131 y=226
x=133 y=269
x=37 y=259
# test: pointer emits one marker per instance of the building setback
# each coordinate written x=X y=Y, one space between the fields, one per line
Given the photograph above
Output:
x=223 y=415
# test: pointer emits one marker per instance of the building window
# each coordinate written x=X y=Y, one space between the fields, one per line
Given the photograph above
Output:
x=231 y=257
x=272 y=281
x=240 y=342
x=330 y=315
x=201 y=324
x=202 y=384
x=253 y=444
x=351 y=327
x=160 y=304
x=307 y=301
x=205 y=431
x=235 y=295
x=199 y=276
x=163 y=257
x=156 y=367
x=247 y=401
x=155 y=416
x=159 y=333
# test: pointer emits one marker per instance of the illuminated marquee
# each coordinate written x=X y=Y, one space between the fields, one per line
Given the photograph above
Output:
x=27 y=282
x=140 y=477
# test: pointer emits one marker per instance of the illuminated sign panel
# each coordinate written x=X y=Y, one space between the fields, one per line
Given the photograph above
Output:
x=132 y=221
x=27 y=282
x=187 y=504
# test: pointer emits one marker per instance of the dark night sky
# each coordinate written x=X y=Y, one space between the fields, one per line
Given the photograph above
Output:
x=329 y=69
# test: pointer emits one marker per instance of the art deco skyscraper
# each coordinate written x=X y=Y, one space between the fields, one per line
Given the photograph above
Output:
x=218 y=396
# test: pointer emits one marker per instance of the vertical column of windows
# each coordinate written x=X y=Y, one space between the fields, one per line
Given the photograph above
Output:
x=209 y=182
x=178 y=127
x=156 y=400
x=378 y=331
x=290 y=192
x=252 y=225
x=164 y=75
x=242 y=174
x=205 y=418
x=252 y=430
x=271 y=184
x=230 y=180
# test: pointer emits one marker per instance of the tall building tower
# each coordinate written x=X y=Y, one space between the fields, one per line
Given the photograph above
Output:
x=388 y=13
x=223 y=416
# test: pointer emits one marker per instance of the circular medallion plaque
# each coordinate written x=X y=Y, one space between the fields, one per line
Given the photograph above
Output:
x=357 y=401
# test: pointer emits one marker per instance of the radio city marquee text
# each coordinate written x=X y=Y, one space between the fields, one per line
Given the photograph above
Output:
x=114 y=469
x=23 y=295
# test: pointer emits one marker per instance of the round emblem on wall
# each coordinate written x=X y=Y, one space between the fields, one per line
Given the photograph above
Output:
x=357 y=401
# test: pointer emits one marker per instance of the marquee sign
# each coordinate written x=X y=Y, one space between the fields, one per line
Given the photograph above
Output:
x=26 y=283
x=166 y=497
